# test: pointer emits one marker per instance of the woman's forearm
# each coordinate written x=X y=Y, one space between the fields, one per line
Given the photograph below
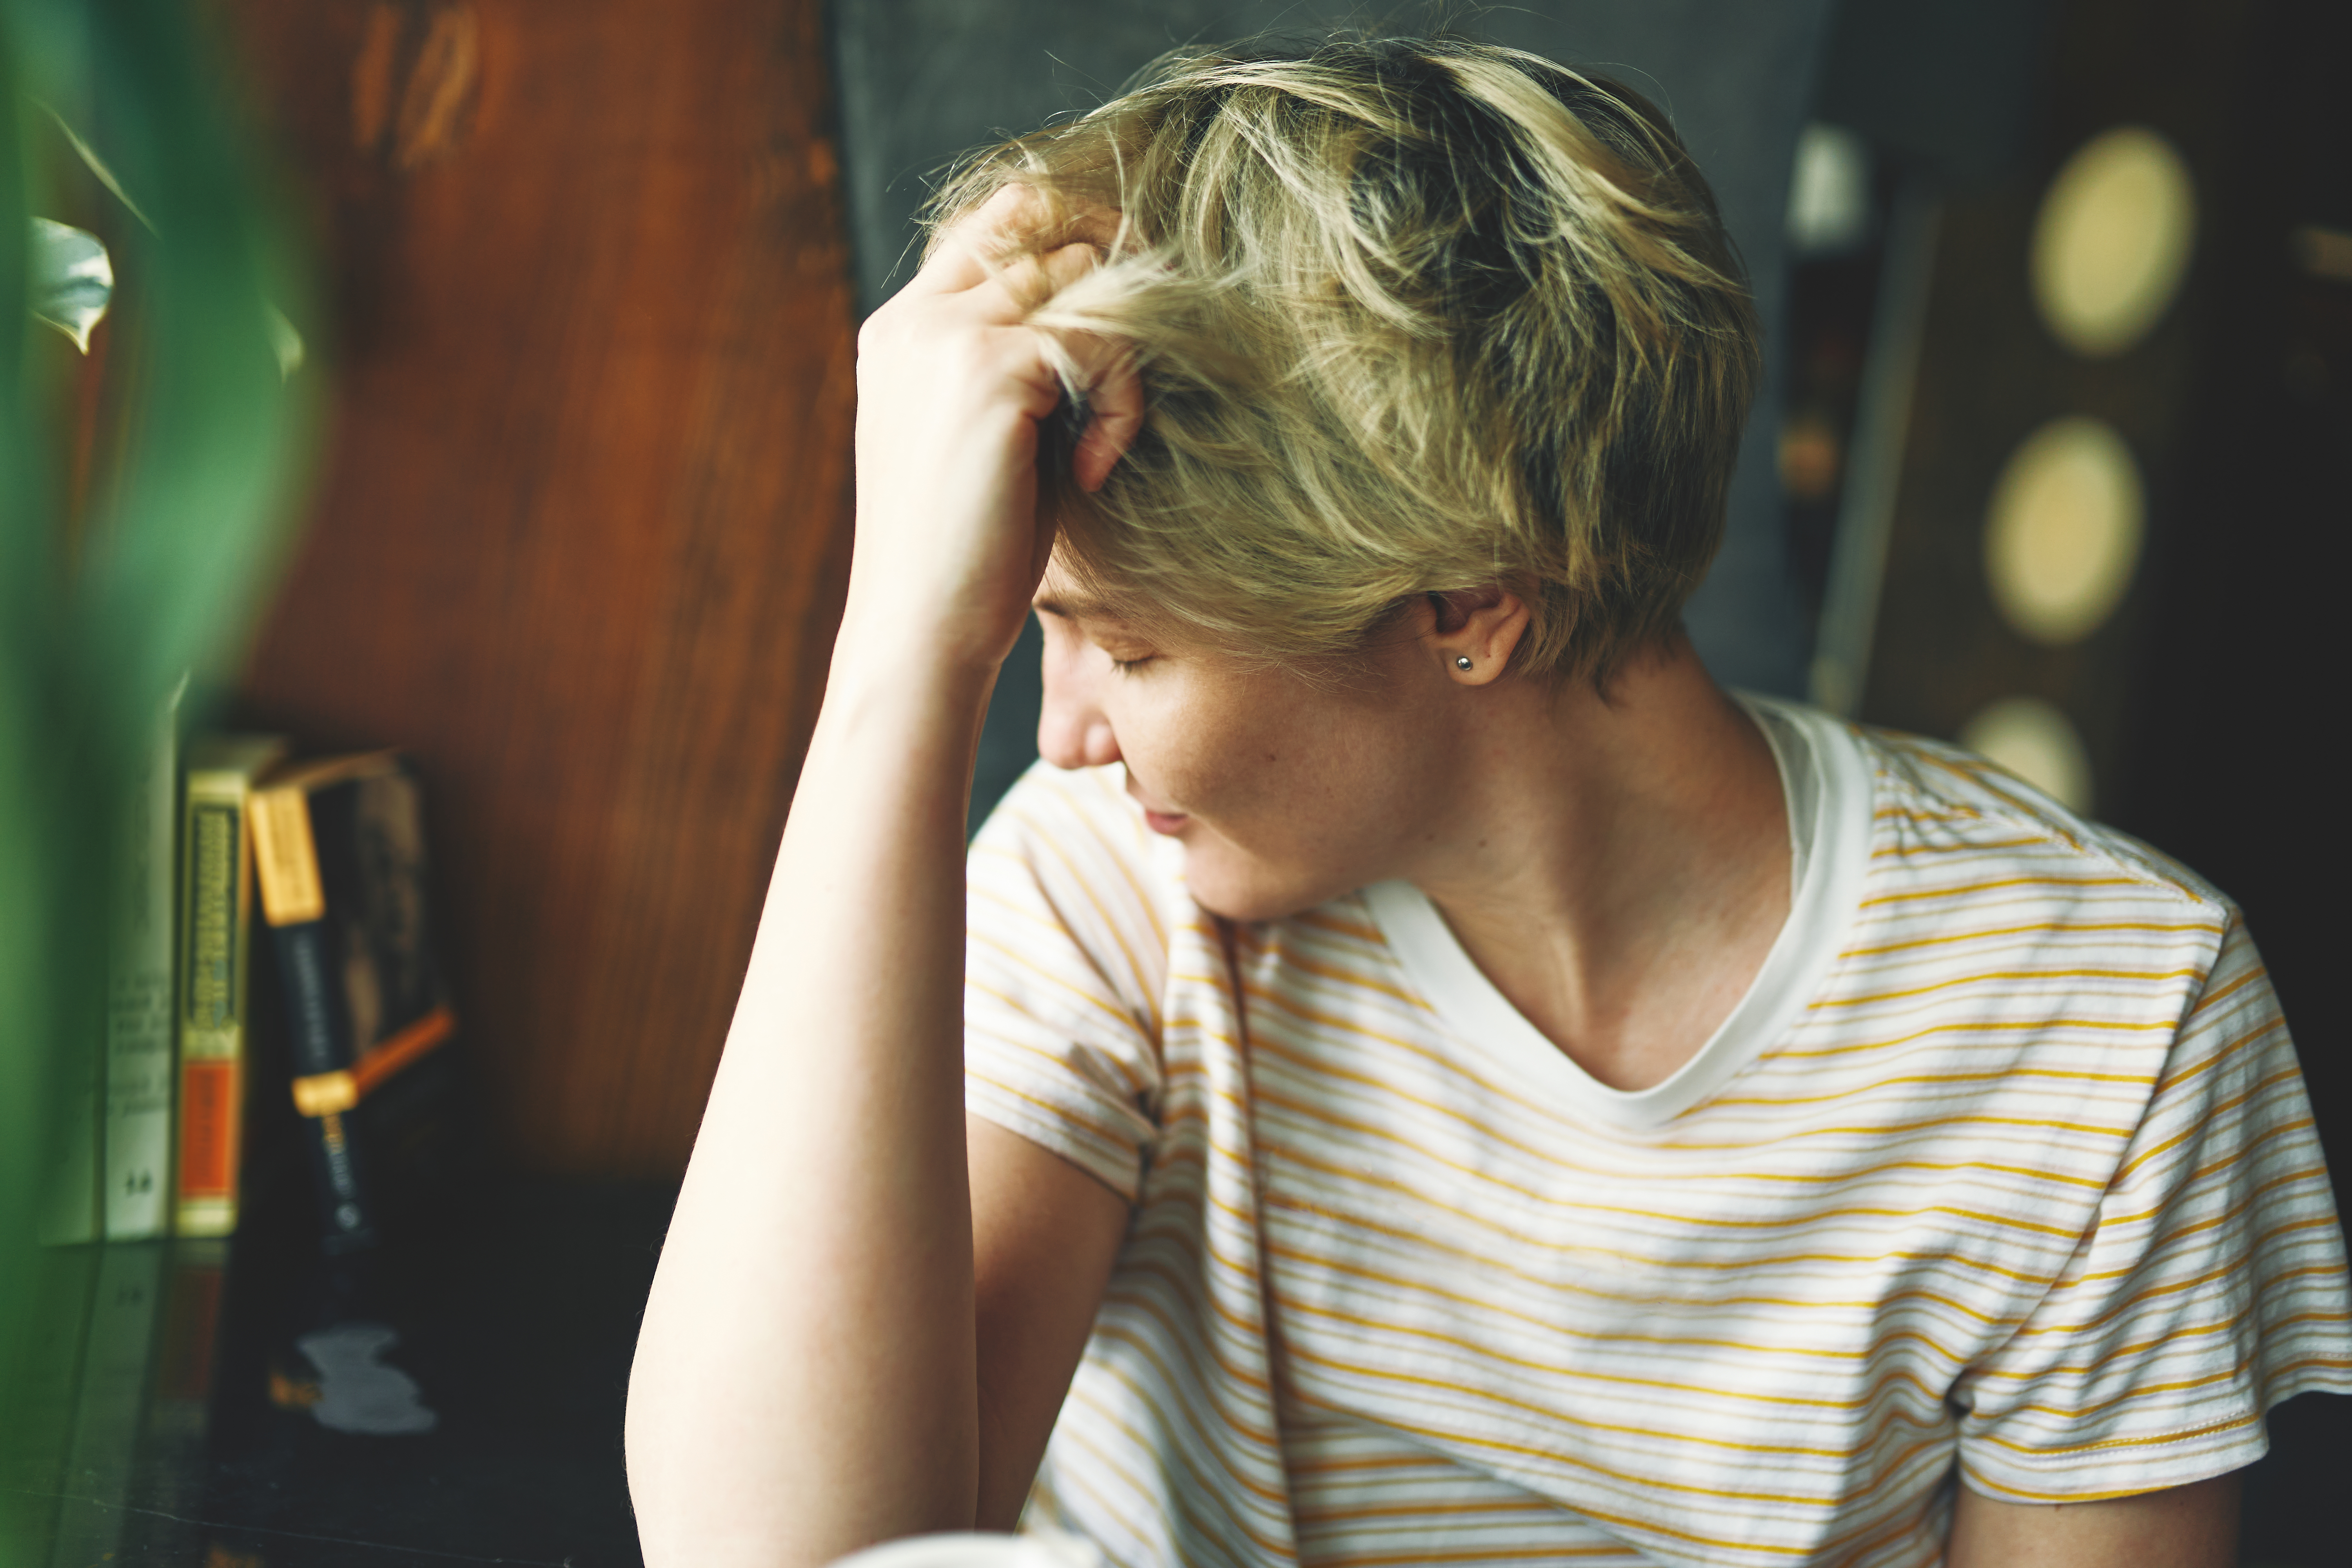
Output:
x=806 y=1378
x=804 y=1381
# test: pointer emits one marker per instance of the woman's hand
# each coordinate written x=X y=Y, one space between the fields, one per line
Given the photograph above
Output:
x=951 y=385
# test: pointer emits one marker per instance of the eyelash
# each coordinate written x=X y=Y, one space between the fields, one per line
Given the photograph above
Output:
x=1130 y=666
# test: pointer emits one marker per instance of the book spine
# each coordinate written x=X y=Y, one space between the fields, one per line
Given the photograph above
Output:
x=215 y=904
x=137 y=1144
x=293 y=902
x=319 y=1043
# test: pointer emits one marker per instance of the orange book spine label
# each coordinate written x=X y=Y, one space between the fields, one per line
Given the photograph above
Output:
x=210 y=1100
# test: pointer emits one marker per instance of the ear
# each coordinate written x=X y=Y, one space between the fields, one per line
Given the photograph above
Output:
x=1481 y=625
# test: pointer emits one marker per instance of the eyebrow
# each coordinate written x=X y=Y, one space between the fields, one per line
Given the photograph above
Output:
x=1073 y=609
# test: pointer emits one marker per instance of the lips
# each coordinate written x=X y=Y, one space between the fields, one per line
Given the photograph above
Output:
x=1165 y=822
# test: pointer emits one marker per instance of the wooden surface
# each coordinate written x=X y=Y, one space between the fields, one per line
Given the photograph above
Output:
x=580 y=534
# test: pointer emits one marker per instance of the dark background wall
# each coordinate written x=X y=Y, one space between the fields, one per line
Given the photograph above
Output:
x=922 y=80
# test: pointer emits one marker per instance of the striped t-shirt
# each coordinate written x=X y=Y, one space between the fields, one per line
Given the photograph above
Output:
x=2003 y=1161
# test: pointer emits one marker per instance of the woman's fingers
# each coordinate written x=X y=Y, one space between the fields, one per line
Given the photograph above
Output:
x=1006 y=291
x=1102 y=368
x=1115 y=406
x=961 y=260
x=1024 y=283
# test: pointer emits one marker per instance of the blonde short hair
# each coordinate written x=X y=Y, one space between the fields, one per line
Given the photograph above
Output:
x=1411 y=316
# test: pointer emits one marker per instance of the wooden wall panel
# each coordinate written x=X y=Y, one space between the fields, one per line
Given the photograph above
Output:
x=580 y=534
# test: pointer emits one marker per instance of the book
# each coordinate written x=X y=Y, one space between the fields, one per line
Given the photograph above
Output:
x=338 y=857
x=115 y=1178
x=216 y=932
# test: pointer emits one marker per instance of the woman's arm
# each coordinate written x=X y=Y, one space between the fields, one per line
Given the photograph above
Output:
x=854 y=1333
x=2194 y=1526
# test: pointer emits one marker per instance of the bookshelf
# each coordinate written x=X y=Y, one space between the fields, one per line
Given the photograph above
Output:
x=581 y=529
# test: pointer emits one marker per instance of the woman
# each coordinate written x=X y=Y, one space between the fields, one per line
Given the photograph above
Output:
x=1422 y=1075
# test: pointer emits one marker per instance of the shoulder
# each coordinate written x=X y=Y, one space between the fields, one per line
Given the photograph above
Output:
x=1958 y=828
x=1995 y=914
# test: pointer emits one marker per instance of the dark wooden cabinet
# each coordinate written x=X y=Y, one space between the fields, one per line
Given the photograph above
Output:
x=581 y=528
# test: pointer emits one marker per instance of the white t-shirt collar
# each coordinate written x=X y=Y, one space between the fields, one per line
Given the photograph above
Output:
x=1826 y=780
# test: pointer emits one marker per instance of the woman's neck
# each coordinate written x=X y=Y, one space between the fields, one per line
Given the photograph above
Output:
x=1618 y=867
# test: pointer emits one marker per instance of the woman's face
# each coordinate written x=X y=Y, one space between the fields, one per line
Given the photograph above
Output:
x=1285 y=792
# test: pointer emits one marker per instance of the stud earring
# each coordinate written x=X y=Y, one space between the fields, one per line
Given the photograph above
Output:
x=1462 y=661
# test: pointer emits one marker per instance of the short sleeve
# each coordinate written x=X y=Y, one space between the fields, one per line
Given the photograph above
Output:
x=1065 y=962
x=2209 y=1285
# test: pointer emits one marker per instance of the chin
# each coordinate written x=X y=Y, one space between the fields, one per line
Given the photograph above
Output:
x=1238 y=887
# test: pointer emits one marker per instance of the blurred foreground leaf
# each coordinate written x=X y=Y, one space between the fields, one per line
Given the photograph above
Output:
x=116 y=583
x=71 y=280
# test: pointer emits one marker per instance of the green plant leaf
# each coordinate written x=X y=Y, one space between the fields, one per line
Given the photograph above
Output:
x=71 y=280
x=162 y=569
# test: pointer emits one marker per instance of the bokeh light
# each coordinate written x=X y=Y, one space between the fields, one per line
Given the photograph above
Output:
x=2113 y=239
x=2034 y=739
x=1829 y=189
x=2062 y=534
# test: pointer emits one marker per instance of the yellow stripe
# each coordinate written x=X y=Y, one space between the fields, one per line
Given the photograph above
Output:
x=2252 y=975
x=1047 y=841
x=1962 y=889
x=1989 y=1485
x=1324 y=920
x=1059 y=1112
x=1966 y=846
x=1887 y=1378
x=1126 y=1021
x=1716 y=1222
x=1551 y=1325
x=1492 y=1554
x=1990 y=975
x=1424 y=1509
x=1962 y=1026
x=1644 y=1261
x=1646 y=1527
x=1291 y=959
x=2041 y=927
x=1873 y=1086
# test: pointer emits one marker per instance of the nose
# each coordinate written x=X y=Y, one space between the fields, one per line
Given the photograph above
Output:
x=1073 y=731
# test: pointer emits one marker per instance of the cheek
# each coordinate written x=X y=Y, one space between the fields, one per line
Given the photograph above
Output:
x=1297 y=797
x=1195 y=756
x=1287 y=782
x=1292 y=843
